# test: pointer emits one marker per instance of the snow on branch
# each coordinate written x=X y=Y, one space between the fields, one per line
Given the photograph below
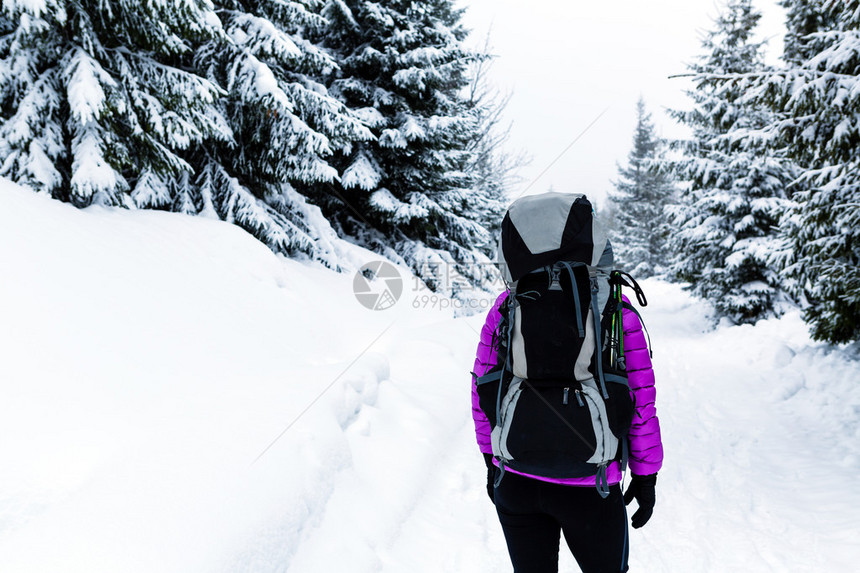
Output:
x=363 y=173
x=94 y=179
x=85 y=78
x=262 y=38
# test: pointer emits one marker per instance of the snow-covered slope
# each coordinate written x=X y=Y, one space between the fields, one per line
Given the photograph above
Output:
x=147 y=359
x=176 y=398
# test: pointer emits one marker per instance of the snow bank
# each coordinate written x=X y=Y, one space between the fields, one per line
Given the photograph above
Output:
x=147 y=359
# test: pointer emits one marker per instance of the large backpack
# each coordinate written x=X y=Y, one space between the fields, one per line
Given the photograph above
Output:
x=557 y=399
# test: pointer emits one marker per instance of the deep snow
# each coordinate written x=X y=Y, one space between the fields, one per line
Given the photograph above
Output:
x=176 y=398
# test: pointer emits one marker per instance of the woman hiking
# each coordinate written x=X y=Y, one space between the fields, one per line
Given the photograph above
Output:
x=533 y=509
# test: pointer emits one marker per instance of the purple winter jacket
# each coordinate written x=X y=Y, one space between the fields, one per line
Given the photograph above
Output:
x=646 y=447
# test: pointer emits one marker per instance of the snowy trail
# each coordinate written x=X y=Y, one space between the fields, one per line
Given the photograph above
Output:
x=415 y=482
x=452 y=526
x=147 y=359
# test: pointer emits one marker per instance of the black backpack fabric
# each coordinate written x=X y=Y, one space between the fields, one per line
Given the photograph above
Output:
x=557 y=399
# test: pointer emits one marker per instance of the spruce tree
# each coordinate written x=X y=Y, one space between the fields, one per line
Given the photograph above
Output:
x=285 y=124
x=803 y=18
x=817 y=102
x=728 y=214
x=185 y=105
x=641 y=193
x=410 y=192
x=97 y=100
x=233 y=109
x=822 y=99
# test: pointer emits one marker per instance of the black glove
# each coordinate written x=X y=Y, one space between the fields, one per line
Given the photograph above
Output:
x=641 y=489
x=491 y=476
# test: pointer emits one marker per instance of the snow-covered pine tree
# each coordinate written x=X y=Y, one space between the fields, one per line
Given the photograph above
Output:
x=97 y=102
x=815 y=123
x=803 y=18
x=642 y=191
x=818 y=106
x=194 y=106
x=409 y=193
x=726 y=220
x=285 y=123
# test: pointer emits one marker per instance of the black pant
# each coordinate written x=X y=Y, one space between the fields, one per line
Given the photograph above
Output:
x=533 y=513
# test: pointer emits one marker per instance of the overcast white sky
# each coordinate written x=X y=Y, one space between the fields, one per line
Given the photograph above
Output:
x=566 y=61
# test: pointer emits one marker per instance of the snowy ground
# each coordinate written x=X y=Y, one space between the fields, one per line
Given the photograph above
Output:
x=147 y=360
